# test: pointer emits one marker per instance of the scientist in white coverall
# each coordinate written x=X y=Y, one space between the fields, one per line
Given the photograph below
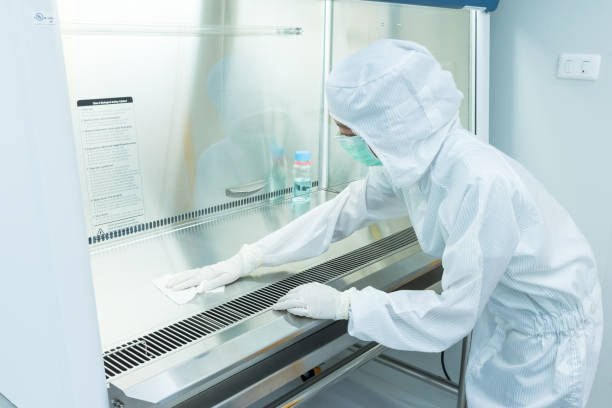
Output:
x=517 y=270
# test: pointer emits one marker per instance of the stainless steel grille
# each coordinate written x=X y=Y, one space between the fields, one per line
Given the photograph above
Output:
x=146 y=348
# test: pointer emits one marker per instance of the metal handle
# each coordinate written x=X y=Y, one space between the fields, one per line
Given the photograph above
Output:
x=245 y=189
x=330 y=376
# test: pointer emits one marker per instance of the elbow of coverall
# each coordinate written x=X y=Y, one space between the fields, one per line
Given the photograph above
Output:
x=448 y=341
x=448 y=335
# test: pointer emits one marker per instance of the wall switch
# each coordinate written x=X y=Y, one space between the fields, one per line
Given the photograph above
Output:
x=579 y=66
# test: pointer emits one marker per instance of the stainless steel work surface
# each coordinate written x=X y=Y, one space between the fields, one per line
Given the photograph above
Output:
x=131 y=309
x=129 y=305
x=214 y=360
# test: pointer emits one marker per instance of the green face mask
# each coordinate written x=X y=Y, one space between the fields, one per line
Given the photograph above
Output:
x=358 y=149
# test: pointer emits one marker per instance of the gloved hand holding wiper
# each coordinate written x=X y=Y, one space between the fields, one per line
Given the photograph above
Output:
x=222 y=273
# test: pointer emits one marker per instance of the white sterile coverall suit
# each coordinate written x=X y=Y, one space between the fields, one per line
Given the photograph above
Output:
x=517 y=271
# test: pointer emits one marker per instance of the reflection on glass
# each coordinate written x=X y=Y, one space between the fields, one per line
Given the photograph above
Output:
x=224 y=92
x=299 y=208
x=253 y=129
x=277 y=172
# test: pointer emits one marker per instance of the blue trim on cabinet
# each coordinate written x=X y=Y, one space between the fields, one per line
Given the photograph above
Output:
x=490 y=5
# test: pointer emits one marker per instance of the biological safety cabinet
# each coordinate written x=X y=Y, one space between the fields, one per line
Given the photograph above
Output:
x=148 y=137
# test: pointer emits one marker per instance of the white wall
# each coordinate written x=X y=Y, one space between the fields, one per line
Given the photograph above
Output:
x=560 y=129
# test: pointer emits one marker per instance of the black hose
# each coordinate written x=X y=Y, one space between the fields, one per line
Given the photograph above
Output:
x=444 y=367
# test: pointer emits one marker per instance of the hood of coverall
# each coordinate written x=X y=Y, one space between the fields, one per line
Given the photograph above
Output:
x=396 y=96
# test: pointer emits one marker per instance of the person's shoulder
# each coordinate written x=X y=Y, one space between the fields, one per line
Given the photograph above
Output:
x=378 y=179
x=470 y=162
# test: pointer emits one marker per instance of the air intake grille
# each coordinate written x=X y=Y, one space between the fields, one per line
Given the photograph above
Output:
x=153 y=345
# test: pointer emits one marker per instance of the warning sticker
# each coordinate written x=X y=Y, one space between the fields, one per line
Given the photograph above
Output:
x=112 y=166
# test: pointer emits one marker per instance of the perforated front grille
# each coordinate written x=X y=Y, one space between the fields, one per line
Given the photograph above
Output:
x=153 y=345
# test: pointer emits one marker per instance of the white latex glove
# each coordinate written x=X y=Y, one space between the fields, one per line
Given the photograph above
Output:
x=222 y=273
x=316 y=301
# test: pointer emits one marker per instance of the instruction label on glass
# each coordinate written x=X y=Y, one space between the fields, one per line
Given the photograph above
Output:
x=112 y=166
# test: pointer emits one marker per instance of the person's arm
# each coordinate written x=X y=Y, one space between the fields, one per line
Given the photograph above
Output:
x=480 y=244
x=361 y=203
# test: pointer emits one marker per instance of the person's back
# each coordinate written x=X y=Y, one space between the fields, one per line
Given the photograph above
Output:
x=548 y=294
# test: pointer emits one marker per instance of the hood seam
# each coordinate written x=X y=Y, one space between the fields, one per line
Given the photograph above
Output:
x=391 y=70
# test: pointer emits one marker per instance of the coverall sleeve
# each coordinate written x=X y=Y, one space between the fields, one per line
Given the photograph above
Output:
x=482 y=235
x=361 y=203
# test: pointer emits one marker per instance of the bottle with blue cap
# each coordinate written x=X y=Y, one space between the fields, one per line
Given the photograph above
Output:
x=302 y=183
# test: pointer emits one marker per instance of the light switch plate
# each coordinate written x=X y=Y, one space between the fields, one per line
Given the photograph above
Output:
x=579 y=66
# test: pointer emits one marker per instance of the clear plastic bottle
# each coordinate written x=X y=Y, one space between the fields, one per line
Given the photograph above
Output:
x=302 y=184
x=277 y=175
